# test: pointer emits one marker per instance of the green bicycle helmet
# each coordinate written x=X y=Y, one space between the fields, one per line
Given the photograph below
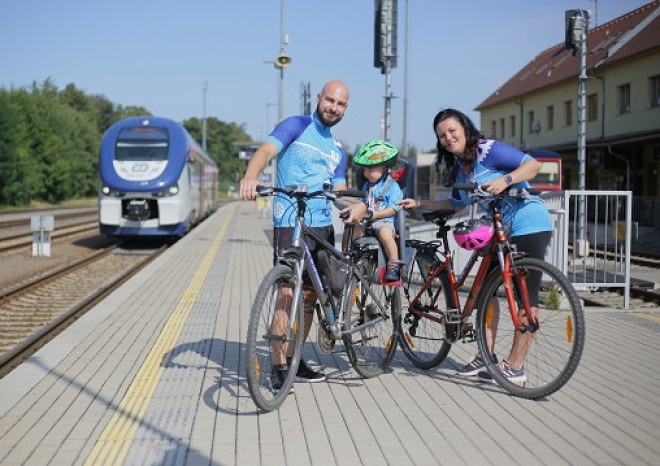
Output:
x=376 y=153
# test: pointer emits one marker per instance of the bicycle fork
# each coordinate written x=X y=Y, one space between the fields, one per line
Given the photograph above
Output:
x=519 y=288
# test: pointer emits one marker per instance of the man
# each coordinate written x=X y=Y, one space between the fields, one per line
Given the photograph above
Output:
x=308 y=154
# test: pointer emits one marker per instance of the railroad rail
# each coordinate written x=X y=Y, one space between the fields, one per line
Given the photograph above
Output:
x=33 y=313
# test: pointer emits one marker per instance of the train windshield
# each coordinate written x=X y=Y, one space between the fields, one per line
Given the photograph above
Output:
x=139 y=143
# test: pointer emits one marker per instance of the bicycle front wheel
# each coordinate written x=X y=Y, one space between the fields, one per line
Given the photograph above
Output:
x=371 y=323
x=423 y=330
x=269 y=340
x=552 y=353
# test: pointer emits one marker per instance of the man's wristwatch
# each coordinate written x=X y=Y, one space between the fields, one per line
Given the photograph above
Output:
x=508 y=179
x=369 y=214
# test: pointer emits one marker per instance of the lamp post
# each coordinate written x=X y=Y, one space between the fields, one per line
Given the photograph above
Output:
x=268 y=105
x=282 y=62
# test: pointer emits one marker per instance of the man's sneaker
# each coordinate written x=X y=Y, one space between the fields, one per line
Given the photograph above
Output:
x=277 y=377
x=475 y=365
x=307 y=375
x=511 y=373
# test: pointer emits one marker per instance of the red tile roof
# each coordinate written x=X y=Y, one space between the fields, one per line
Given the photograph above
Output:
x=621 y=38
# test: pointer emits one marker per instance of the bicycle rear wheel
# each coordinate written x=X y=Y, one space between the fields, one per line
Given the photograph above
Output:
x=266 y=332
x=371 y=348
x=553 y=351
x=423 y=332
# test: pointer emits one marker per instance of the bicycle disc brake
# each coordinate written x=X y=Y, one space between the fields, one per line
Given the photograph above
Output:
x=323 y=337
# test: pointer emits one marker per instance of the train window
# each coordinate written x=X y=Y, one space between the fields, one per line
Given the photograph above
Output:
x=143 y=144
x=549 y=176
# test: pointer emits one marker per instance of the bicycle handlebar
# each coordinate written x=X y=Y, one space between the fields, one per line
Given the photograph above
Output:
x=300 y=192
x=479 y=191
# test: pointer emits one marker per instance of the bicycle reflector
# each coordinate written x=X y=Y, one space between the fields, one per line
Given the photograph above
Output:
x=474 y=233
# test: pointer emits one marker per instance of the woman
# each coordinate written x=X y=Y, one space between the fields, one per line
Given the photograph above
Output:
x=464 y=155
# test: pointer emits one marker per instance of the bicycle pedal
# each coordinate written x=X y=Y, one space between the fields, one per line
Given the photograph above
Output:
x=451 y=316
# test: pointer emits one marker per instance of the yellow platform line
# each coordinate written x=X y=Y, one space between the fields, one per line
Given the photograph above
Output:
x=113 y=443
x=651 y=317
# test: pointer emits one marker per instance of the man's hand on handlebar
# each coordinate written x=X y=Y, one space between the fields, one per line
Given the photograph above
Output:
x=354 y=213
x=248 y=189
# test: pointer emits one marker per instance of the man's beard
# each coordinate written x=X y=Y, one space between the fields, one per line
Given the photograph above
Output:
x=325 y=122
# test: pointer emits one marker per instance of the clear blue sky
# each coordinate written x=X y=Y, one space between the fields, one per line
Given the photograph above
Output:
x=159 y=53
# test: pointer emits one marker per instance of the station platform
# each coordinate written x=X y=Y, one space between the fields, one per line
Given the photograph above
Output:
x=155 y=375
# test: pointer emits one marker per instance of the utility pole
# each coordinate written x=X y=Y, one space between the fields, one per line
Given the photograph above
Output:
x=404 y=149
x=385 y=52
x=576 y=22
x=205 y=87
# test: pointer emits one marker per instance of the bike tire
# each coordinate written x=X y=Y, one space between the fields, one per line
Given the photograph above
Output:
x=370 y=350
x=423 y=333
x=556 y=349
x=259 y=346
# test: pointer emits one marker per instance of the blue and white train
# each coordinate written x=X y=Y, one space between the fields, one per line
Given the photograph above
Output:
x=155 y=179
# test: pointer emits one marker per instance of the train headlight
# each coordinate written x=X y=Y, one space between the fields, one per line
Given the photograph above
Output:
x=112 y=192
x=171 y=191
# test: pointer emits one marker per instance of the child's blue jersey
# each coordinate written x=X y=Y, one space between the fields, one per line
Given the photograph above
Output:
x=379 y=200
x=494 y=160
x=309 y=155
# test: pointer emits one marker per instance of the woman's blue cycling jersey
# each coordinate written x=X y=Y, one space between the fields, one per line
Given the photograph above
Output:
x=494 y=160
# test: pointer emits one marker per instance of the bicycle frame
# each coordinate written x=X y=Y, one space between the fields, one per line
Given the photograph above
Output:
x=299 y=258
x=499 y=248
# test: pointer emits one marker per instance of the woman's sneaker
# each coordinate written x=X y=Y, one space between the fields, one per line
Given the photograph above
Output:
x=512 y=374
x=475 y=365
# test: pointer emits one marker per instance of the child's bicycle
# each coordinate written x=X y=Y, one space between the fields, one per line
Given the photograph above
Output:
x=365 y=317
x=552 y=335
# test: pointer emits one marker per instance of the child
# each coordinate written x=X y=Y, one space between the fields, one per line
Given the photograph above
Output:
x=377 y=157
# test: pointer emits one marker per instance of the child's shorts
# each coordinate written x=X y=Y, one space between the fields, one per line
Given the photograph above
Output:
x=383 y=223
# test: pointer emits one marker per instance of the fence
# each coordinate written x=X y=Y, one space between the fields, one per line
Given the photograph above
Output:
x=592 y=251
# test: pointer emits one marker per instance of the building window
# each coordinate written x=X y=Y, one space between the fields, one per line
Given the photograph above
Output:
x=512 y=131
x=568 y=113
x=550 y=114
x=502 y=136
x=531 y=122
x=624 y=99
x=655 y=91
x=493 y=129
x=592 y=107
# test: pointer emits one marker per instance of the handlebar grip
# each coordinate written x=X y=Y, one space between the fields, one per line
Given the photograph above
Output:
x=466 y=186
x=265 y=190
x=351 y=193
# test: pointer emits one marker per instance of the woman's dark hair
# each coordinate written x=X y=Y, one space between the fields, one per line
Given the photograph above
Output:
x=446 y=161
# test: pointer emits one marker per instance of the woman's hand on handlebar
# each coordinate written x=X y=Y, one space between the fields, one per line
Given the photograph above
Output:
x=409 y=203
x=353 y=213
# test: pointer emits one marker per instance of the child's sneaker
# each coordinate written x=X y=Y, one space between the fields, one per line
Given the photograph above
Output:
x=393 y=273
x=474 y=366
x=512 y=374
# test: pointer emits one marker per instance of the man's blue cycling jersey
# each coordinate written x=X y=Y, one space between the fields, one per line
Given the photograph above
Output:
x=308 y=154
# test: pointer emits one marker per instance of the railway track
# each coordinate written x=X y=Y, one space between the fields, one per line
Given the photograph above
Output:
x=32 y=313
